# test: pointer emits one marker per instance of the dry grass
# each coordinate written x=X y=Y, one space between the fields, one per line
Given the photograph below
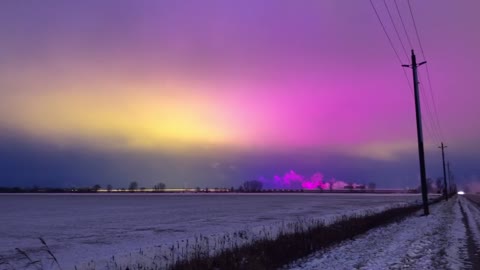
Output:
x=288 y=247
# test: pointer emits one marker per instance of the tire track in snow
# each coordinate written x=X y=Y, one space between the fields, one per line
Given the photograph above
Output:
x=471 y=218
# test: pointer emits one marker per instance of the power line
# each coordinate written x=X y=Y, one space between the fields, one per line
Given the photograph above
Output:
x=437 y=121
x=414 y=65
x=403 y=24
x=430 y=120
x=426 y=108
x=395 y=27
x=433 y=101
x=393 y=47
x=428 y=72
x=386 y=33
x=429 y=127
x=433 y=122
x=416 y=30
x=433 y=118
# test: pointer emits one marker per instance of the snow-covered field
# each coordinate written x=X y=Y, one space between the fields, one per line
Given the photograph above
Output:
x=80 y=228
x=438 y=241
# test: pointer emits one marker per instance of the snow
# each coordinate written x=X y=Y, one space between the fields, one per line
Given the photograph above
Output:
x=472 y=212
x=437 y=241
x=93 y=228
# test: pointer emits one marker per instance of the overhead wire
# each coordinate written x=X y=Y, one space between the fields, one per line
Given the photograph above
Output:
x=386 y=33
x=395 y=27
x=436 y=120
x=428 y=111
x=430 y=126
x=391 y=44
x=403 y=24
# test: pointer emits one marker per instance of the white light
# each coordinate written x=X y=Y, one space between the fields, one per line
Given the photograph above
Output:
x=461 y=193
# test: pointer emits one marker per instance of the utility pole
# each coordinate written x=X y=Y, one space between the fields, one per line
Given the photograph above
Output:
x=444 y=172
x=449 y=177
x=421 y=152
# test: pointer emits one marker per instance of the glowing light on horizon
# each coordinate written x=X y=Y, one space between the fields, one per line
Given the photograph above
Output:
x=293 y=180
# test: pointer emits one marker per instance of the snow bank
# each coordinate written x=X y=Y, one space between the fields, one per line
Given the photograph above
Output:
x=437 y=241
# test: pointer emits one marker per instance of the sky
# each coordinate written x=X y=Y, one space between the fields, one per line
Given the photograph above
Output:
x=212 y=93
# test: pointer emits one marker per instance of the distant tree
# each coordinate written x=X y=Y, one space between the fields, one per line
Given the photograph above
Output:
x=198 y=189
x=252 y=186
x=371 y=186
x=133 y=186
x=439 y=184
x=430 y=187
x=96 y=187
x=142 y=189
x=159 y=187
x=109 y=188
x=240 y=189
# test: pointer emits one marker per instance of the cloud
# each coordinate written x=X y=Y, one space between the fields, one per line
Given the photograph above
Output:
x=385 y=151
x=215 y=164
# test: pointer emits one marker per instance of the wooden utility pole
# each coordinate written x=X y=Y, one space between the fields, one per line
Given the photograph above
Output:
x=444 y=172
x=421 y=152
x=449 y=177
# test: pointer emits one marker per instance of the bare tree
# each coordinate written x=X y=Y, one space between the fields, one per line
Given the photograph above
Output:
x=430 y=185
x=371 y=186
x=133 y=186
x=109 y=188
x=96 y=187
x=252 y=186
x=159 y=187
x=439 y=184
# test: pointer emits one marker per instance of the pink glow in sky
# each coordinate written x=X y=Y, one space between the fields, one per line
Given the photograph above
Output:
x=293 y=180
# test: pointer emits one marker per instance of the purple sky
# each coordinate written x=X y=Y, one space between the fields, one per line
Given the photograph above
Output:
x=212 y=93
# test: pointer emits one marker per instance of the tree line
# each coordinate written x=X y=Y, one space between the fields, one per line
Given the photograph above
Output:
x=132 y=187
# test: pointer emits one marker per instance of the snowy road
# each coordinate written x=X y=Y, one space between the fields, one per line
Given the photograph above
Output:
x=439 y=241
x=471 y=218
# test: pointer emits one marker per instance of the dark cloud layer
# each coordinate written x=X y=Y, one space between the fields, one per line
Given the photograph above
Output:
x=26 y=162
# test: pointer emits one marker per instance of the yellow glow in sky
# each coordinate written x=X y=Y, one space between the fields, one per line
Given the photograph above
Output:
x=130 y=118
